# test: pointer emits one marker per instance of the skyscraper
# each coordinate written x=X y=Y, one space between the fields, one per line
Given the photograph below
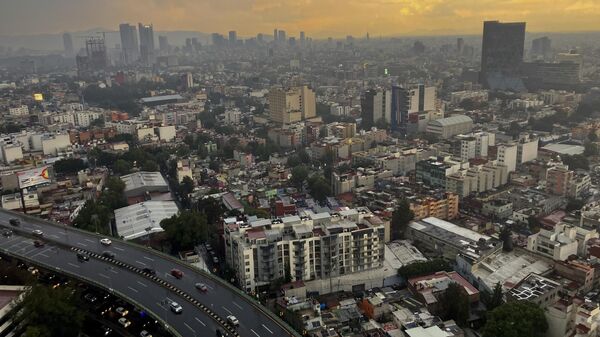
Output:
x=407 y=104
x=163 y=44
x=146 y=43
x=68 y=44
x=460 y=45
x=302 y=38
x=281 y=36
x=291 y=105
x=275 y=34
x=232 y=37
x=129 y=43
x=540 y=47
x=502 y=54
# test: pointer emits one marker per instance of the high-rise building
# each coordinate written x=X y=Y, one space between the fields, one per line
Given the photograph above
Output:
x=217 y=39
x=281 y=37
x=302 y=38
x=502 y=54
x=376 y=106
x=163 y=44
x=146 y=43
x=406 y=103
x=460 y=45
x=541 y=47
x=275 y=35
x=291 y=105
x=95 y=58
x=232 y=37
x=260 y=37
x=68 y=44
x=129 y=43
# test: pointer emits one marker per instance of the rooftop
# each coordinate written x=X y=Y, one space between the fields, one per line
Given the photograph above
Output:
x=533 y=286
x=143 y=218
x=448 y=121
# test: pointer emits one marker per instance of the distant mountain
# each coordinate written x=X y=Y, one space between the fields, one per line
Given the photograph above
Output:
x=54 y=42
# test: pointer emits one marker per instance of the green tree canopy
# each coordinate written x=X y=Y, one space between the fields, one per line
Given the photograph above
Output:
x=95 y=216
x=122 y=167
x=69 y=166
x=186 y=229
x=299 y=175
x=424 y=268
x=319 y=187
x=51 y=312
x=401 y=217
x=455 y=304
x=494 y=299
x=516 y=319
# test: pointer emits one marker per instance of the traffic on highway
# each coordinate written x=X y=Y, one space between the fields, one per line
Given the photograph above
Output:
x=192 y=302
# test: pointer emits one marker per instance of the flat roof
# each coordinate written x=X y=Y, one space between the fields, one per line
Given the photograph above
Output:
x=442 y=228
x=144 y=179
x=155 y=99
x=569 y=149
x=132 y=221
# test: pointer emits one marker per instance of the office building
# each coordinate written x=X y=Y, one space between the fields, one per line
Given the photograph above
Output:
x=376 y=106
x=232 y=37
x=448 y=127
x=281 y=36
x=163 y=44
x=460 y=45
x=306 y=246
x=291 y=105
x=551 y=75
x=146 y=43
x=406 y=106
x=541 y=48
x=129 y=43
x=502 y=54
x=302 y=38
x=68 y=44
x=571 y=57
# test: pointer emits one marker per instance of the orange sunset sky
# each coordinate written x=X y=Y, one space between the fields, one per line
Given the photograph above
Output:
x=319 y=18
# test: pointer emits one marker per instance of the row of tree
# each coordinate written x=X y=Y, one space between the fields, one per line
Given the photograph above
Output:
x=96 y=215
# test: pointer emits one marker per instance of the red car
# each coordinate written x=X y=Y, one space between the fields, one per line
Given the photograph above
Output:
x=177 y=273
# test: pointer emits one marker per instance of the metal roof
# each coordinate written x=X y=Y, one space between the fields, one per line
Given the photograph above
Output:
x=458 y=119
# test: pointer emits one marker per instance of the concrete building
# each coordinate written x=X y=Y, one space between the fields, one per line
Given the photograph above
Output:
x=291 y=105
x=558 y=243
x=53 y=144
x=477 y=179
x=442 y=208
x=447 y=239
x=11 y=152
x=143 y=219
x=558 y=178
x=144 y=183
x=434 y=171
x=166 y=133
x=527 y=149
x=536 y=289
x=450 y=126
x=502 y=54
x=307 y=246
x=22 y=110
x=507 y=155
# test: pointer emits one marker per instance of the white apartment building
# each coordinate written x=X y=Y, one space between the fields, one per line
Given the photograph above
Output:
x=11 y=152
x=507 y=155
x=52 y=144
x=22 y=110
x=307 y=246
x=558 y=244
x=166 y=133
x=84 y=118
x=527 y=149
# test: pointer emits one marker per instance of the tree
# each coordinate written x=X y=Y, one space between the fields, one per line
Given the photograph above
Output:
x=186 y=229
x=424 y=268
x=186 y=187
x=516 y=319
x=590 y=149
x=592 y=136
x=319 y=187
x=494 y=299
x=150 y=166
x=69 y=165
x=576 y=162
x=299 y=175
x=574 y=204
x=401 y=217
x=455 y=304
x=122 y=167
x=51 y=312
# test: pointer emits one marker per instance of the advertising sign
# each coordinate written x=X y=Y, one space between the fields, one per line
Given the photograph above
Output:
x=33 y=177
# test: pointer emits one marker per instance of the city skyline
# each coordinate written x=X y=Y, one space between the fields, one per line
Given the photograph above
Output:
x=249 y=17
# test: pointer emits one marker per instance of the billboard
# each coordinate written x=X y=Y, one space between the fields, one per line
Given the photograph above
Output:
x=38 y=97
x=33 y=177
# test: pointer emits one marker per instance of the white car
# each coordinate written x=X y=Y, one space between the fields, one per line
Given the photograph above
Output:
x=145 y=333
x=202 y=287
x=105 y=241
x=176 y=308
x=233 y=320
x=122 y=311
x=124 y=322
x=37 y=232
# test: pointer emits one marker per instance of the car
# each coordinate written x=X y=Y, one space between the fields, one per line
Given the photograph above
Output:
x=145 y=333
x=82 y=257
x=38 y=243
x=219 y=333
x=233 y=320
x=33 y=270
x=105 y=241
x=124 y=322
x=149 y=271
x=122 y=311
x=7 y=233
x=14 y=222
x=176 y=308
x=90 y=297
x=215 y=259
x=108 y=254
x=106 y=330
x=37 y=232
x=178 y=274
x=201 y=287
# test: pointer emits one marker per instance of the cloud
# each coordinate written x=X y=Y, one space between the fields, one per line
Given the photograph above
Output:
x=318 y=18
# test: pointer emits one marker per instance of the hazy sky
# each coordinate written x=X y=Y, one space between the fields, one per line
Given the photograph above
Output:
x=319 y=18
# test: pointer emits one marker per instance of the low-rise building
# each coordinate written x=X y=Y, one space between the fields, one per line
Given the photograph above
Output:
x=558 y=243
x=142 y=219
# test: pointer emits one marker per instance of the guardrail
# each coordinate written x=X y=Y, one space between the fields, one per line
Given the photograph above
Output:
x=96 y=284
x=276 y=319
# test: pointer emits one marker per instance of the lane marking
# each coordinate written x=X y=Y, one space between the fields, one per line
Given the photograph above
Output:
x=264 y=326
x=189 y=327
x=142 y=284
x=199 y=321
x=255 y=332
x=142 y=263
x=91 y=241
x=73 y=265
x=54 y=236
x=42 y=252
x=113 y=271
x=44 y=255
x=82 y=244
x=120 y=249
x=132 y=289
x=231 y=313
x=147 y=258
x=209 y=287
x=237 y=305
x=102 y=275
